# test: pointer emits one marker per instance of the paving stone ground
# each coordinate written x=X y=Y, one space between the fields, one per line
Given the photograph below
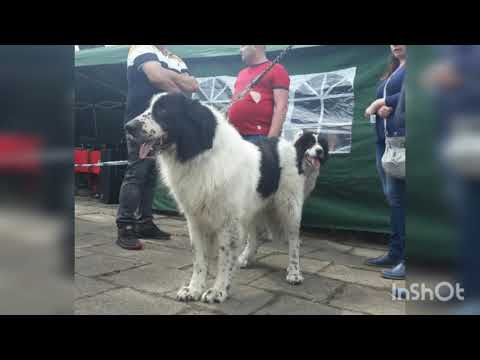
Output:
x=110 y=280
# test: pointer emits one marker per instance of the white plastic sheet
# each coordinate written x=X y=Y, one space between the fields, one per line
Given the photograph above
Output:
x=321 y=102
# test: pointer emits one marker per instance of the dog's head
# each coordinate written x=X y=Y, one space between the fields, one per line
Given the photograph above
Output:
x=174 y=121
x=312 y=151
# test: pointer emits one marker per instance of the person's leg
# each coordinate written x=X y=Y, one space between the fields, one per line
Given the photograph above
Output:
x=145 y=227
x=148 y=192
x=131 y=190
x=130 y=199
x=385 y=260
x=396 y=198
x=470 y=242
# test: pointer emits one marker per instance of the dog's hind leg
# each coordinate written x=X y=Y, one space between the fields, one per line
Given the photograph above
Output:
x=290 y=213
x=229 y=247
x=248 y=254
x=198 y=282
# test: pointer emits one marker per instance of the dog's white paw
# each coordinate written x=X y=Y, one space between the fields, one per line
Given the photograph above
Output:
x=243 y=261
x=188 y=294
x=214 y=296
x=294 y=277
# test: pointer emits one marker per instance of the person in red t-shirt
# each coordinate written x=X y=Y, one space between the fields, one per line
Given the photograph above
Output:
x=262 y=111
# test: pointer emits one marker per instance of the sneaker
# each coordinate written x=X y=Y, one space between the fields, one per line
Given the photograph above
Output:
x=150 y=231
x=382 y=261
x=397 y=273
x=127 y=239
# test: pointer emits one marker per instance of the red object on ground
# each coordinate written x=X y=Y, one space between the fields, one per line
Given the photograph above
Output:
x=20 y=153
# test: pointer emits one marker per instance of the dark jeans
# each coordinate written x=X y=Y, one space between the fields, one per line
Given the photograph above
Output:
x=137 y=190
x=253 y=137
x=394 y=190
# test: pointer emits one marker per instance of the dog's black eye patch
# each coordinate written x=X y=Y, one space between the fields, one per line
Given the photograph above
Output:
x=190 y=125
x=305 y=141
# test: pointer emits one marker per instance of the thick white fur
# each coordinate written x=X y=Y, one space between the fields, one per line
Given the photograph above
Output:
x=217 y=192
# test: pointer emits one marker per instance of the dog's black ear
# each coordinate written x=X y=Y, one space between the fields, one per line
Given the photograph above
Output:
x=323 y=141
x=197 y=130
x=301 y=145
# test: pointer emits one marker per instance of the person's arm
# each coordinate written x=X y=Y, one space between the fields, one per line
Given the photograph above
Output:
x=392 y=100
x=280 y=86
x=280 y=108
x=169 y=80
x=187 y=83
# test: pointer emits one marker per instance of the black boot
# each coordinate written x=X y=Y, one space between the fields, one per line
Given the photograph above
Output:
x=149 y=230
x=127 y=239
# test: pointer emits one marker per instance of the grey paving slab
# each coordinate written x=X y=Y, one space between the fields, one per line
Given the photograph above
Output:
x=243 y=300
x=339 y=258
x=365 y=299
x=81 y=253
x=151 y=278
x=326 y=245
x=367 y=253
x=100 y=264
x=357 y=276
x=313 y=288
x=166 y=257
x=289 y=305
x=85 y=286
x=126 y=302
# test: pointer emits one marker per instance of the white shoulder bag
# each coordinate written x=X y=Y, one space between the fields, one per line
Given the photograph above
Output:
x=393 y=160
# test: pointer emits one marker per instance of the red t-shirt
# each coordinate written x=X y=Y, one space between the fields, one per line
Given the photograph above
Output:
x=253 y=114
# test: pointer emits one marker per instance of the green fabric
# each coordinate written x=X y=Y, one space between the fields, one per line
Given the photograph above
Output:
x=348 y=193
x=118 y=54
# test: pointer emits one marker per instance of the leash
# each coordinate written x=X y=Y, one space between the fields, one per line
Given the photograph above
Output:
x=240 y=96
x=259 y=77
x=105 y=163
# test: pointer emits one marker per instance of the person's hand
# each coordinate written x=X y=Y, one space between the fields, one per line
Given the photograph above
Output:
x=385 y=111
x=144 y=151
x=374 y=107
x=369 y=112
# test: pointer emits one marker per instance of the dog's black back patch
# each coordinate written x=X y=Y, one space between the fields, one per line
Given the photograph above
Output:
x=269 y=166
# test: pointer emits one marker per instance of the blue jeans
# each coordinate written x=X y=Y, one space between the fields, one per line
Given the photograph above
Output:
x=394 y=190
x=253 y=137
x=138 y=188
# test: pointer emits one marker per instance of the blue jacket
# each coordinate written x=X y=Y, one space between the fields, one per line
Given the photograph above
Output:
x=394 y=88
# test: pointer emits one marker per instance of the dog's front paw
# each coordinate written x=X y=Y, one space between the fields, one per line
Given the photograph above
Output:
x=214 y=296
x=294 y=277
x=186 y=293
x=243 y=261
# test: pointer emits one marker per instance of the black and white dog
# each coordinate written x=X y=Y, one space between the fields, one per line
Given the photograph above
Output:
x=225 y=186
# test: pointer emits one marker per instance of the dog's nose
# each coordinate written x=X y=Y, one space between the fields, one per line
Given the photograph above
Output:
x=319 y=152
x=132 y=126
